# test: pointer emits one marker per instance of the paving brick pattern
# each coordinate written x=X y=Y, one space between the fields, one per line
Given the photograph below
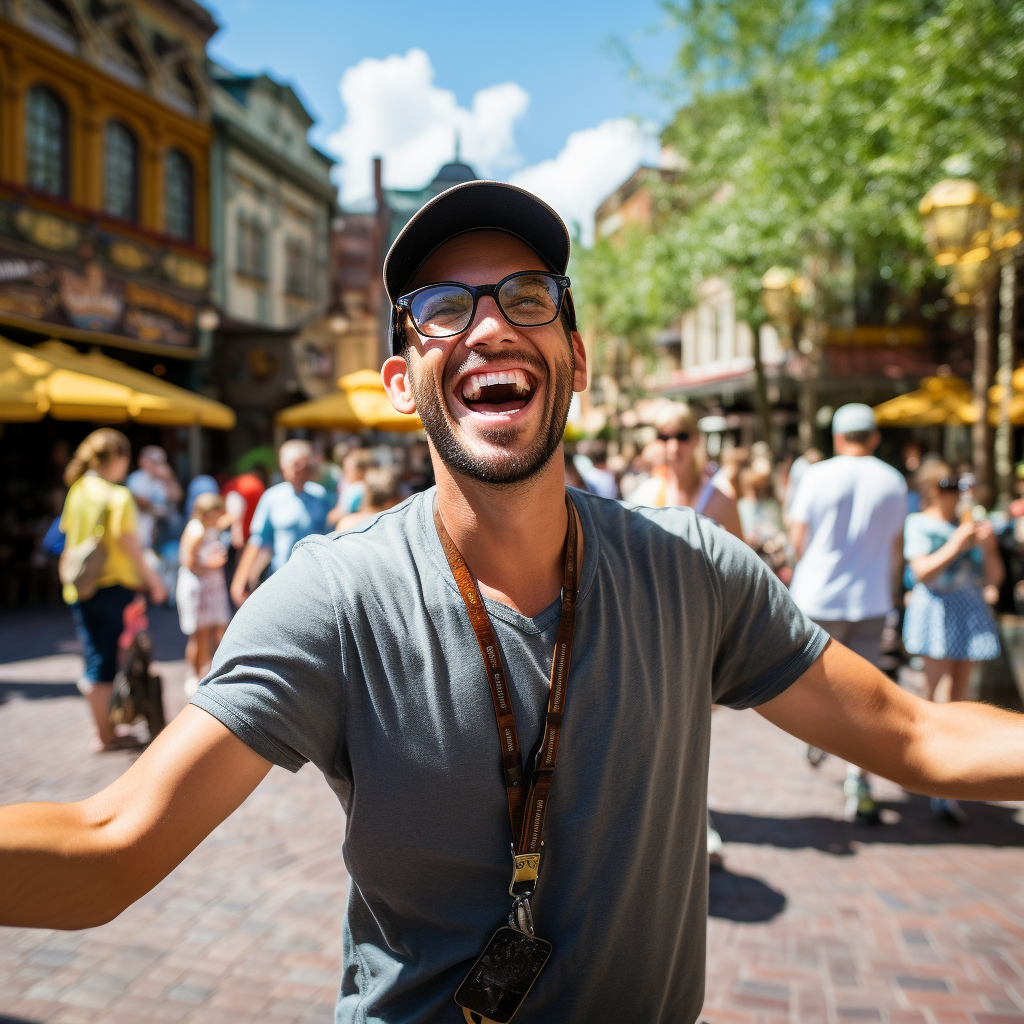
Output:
x=818 y=922
x=812 y=922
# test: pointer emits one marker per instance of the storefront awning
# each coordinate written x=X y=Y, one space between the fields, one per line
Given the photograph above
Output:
x=54 y=379
x=360 y=404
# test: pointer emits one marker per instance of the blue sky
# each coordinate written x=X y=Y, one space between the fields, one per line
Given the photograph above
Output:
x=566 y=80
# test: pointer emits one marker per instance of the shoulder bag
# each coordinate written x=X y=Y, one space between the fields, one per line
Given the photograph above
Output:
x=82 y=564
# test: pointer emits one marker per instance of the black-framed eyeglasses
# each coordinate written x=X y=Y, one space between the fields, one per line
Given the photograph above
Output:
x=528 y=298
x=679 y=435
x=948 y=483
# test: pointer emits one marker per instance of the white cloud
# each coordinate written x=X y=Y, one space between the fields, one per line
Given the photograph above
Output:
x=393 y=109
x=592 y=164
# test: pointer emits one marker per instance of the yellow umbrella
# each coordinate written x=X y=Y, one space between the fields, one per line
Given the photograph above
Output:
x=361 y=404
x=158 y=401
x=70 y=386
x=995 y=397
x=365 y=391
x=20 y=373
x=332 y=412
x=940 y=402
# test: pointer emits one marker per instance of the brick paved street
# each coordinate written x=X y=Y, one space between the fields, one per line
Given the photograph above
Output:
x=812 y=922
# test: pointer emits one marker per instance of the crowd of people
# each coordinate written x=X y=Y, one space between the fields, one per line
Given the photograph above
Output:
x=204 y=548
x=901 y=567
x=862 y=546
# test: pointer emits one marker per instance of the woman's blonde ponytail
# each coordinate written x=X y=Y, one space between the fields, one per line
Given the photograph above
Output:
x=96 y=450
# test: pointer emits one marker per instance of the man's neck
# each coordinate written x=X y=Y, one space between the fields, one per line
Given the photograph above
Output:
x=512 y=536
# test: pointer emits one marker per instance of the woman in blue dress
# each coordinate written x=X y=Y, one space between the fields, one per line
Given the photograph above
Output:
x=948 y=622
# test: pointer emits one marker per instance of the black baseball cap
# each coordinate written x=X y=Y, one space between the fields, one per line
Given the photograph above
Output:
x=473 y=206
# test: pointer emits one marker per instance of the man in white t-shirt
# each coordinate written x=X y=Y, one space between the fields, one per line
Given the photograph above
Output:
x=846 y=525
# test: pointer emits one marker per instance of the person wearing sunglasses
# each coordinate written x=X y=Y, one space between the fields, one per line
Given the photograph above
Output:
x=507 y=684
x=678 y=478
x=954 y=567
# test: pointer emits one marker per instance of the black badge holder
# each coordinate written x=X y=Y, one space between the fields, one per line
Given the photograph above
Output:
x=512 y=961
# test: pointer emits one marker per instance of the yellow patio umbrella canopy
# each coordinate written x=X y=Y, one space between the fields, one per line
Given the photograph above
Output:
x=365 y=390
x=56 y=380
x=361 y=404
x=995 y=397
x=20 y=373
x=939 y=402
x=332 y=412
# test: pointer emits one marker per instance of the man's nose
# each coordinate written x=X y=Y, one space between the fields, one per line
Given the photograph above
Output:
x=489 y=326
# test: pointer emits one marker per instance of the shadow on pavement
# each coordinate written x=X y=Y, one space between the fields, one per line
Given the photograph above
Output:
x=39 y=632
x=988 y=825
x=35 y=691
x=742 y=898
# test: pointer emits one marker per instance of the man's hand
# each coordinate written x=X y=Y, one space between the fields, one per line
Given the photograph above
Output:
x=844 y=705
x=79 y=865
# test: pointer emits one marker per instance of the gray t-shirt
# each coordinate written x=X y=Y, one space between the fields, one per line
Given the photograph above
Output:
x=358 y=655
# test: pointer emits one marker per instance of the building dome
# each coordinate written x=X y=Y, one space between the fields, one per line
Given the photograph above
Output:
x=453 y=174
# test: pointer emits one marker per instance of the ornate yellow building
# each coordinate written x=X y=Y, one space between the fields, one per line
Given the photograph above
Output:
x=104 y=171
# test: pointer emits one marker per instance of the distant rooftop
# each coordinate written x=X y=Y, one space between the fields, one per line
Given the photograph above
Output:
x=403 y=203
x=453 y=174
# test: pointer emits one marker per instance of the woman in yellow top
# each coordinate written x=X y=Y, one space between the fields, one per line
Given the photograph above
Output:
x=96 y=498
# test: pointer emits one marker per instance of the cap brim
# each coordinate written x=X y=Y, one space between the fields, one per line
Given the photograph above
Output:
x=472 y=206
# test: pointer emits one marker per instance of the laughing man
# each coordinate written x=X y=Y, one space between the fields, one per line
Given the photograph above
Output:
x=386 y=656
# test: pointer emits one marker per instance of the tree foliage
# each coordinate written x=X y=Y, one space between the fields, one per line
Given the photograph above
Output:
x=811 y=130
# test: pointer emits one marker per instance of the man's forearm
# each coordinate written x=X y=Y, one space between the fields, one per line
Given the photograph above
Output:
x=969 y=751
x=240 y=581
x=54 y=870
x=78 y=865
x=844 y=705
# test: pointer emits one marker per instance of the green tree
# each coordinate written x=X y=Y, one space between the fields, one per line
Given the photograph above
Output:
x=811 y=132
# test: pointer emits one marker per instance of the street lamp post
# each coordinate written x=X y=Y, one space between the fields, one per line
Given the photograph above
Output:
x=1006 y=236
x=780 y=288
x=956 y=215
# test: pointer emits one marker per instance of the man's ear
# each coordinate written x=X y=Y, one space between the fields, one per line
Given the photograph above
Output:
x=580 y=379
x=395 y=374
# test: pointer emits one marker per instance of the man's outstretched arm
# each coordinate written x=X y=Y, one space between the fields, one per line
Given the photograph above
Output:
x=844 y=705
x=78 y=865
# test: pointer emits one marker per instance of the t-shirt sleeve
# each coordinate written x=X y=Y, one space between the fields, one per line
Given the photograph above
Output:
x=261 y=530
x=278 y=677
x=800 y=507
x=917 y=541
x=763 y=642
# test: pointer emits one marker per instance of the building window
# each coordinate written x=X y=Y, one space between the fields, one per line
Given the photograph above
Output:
x=120 y=172
x=297 y=275
x=46 y=142
x=253 y=250
x=178 y=197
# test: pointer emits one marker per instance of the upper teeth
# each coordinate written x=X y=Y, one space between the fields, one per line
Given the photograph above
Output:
x=474 y=385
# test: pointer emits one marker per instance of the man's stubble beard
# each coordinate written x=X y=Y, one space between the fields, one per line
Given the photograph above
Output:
x=512 y=467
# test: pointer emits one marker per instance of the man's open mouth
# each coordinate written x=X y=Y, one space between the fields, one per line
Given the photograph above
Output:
x=496 y=391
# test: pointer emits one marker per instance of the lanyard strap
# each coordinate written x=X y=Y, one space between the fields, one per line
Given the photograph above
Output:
x=526 y=813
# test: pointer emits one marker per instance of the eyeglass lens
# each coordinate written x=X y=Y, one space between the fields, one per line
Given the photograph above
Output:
x=529 y=300
x=949 y=484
